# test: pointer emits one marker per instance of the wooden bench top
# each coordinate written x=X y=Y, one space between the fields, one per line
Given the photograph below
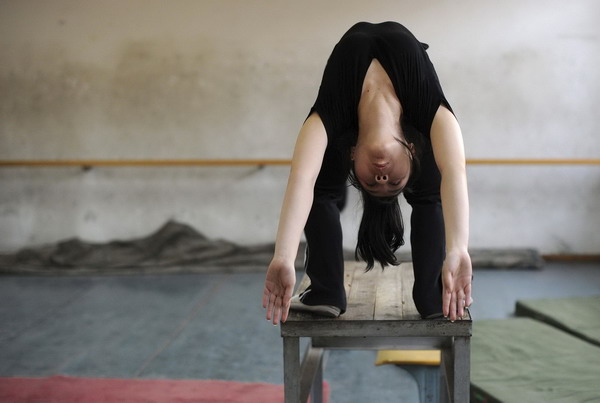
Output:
x=379 y=304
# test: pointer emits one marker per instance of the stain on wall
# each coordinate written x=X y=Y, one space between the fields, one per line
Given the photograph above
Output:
x=154 y=102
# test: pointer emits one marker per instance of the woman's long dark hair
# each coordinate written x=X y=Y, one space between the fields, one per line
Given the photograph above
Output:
x=381 y=230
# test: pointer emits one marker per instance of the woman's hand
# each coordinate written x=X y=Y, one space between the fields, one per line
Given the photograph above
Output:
x=279 y=286
x=457 y=274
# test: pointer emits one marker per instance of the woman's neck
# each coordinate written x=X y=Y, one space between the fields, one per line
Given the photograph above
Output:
x=378 y=115
x=379 y=109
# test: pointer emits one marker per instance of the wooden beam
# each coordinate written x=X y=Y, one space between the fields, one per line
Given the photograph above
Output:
x=250 y=162
x=543 y=161
x=145 y=162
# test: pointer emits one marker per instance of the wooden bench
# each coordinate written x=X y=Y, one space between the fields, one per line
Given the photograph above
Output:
x=380 y=315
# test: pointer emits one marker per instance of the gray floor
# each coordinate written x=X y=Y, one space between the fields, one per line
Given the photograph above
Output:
x=211 y=326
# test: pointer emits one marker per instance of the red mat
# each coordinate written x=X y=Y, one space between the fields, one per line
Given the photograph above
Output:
x=65 y=389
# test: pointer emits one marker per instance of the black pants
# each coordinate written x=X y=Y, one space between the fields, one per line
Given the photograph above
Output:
x=324 y=251
x=325 y=260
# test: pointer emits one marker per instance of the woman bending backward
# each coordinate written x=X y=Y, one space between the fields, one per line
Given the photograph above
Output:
x=382 y=123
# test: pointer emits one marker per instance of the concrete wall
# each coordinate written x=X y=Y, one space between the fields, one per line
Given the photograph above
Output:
x=234 y=79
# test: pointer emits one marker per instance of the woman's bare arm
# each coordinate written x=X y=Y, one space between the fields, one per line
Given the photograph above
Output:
x=306 y=164
x=448 y=149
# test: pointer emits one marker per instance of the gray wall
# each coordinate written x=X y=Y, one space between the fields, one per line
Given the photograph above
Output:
x=234 y=79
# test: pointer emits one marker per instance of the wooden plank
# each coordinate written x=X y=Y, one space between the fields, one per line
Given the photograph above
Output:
x=361 y=299
x=349 y=268
x=409 y=310
x=388 y=299
x=322 y=327
x=381 y=343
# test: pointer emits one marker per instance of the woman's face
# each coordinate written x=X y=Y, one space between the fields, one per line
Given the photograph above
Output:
x=383 y=170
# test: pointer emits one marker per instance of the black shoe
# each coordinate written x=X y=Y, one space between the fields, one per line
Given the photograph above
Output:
x=324 y=310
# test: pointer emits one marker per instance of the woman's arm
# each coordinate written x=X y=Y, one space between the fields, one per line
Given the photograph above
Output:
x=306 y=164
x=448 y=149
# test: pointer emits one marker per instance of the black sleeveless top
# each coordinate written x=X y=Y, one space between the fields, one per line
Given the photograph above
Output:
x=407 y=64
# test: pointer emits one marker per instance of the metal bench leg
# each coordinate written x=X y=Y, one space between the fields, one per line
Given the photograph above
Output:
x=291 y=369
x=462 y=368
x=456 y=365
x=445 y=372
x=311 y=375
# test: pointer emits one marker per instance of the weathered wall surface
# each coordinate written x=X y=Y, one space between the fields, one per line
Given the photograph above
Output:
x=234 y=79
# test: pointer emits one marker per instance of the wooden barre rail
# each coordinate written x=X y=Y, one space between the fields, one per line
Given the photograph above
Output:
x=257 y=162
x=146 y=162
x=548 y=161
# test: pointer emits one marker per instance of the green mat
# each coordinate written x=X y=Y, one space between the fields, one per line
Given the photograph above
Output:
x=578 y=316
x=523 y=360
